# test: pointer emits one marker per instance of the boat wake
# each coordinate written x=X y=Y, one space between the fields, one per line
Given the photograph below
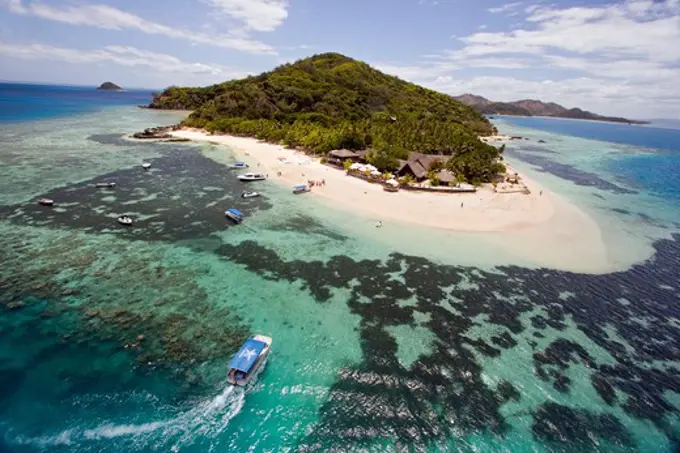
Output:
x=207 y=419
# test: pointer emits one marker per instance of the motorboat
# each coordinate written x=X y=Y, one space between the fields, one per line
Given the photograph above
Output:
x=250 y=194
x=105 y=185
x=391 y=185
x=146 y=165
x=301 y=188
x=237 y=165
x=252 y=177
x=125 y=220
x=46 y=202
x=249 y=360
x=234 y=215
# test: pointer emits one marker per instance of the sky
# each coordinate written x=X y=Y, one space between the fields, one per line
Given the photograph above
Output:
x=614 y=58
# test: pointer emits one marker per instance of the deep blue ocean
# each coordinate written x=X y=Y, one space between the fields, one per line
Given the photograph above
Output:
x=28 y=102
x=116 y=340
x=653 y=156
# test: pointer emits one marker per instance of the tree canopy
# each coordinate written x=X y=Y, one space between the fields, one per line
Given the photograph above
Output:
x=330 y=101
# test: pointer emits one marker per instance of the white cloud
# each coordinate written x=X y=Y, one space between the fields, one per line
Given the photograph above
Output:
x=259 y=15
x=634 y=28
x=617 y=59
x=121 y=55
x=508 y=7
x=107 y=17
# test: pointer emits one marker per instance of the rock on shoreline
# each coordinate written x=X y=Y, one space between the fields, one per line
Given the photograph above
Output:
x=159 y=133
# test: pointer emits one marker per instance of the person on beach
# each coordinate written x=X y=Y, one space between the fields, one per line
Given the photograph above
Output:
x=461 y=204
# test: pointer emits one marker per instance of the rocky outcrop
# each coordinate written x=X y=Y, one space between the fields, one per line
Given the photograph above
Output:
x=109 y=86
x=161 y=133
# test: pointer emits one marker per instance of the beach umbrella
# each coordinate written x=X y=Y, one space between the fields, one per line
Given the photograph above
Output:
x=393 y=183
x=370 y=168
x=355 y=166
x=375 y=173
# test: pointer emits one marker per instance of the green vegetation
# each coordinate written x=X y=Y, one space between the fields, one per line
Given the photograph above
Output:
x=331 y=102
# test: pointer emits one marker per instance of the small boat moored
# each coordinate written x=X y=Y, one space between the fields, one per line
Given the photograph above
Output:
x=125 y=220
x=105 y=185
x=234 y=215
x=250 y=194
x=246 y=363
x=252 y=177
x=46 y=202
x=146 y=165
x=301 y=188
x=391 y=185
x=237 y=165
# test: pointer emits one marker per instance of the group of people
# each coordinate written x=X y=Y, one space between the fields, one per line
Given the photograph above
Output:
x=311 y=183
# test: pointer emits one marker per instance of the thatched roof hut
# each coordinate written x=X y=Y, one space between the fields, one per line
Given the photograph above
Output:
x=446 y=177
x=418 y=165
x=343 y=154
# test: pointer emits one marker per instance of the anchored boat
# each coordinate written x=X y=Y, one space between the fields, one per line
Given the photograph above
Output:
x=105 y=185
x=252 y=177
x=301 y=188
x=234 y=215
x=46 y=202
x=250 y=194
x=249 y=360
x=125 y=220
x=237 y=165
x=146 y=165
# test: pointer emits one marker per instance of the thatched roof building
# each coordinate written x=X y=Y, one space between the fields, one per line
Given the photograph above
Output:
x=418 y=165
x=343 y=154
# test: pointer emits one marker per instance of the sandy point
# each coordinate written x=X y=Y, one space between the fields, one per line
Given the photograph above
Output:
x=540 y=226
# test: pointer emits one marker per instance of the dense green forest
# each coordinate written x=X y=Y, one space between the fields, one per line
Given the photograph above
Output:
x=330 y=102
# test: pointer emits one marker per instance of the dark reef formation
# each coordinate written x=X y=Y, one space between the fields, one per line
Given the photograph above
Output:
x=475 y=316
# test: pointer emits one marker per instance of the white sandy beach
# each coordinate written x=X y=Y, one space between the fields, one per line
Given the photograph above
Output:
x=541 y=227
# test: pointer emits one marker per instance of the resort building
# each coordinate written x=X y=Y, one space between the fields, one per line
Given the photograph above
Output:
x=418 y=165
x=339 y=156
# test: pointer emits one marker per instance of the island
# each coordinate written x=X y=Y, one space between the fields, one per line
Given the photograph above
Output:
x=109 y=86
x=391 y=154
x=331 y=102
x=533 y=107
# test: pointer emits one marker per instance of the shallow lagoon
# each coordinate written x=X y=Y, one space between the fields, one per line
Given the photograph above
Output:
x=375 y=348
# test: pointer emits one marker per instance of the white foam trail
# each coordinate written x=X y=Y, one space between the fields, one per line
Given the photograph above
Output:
x=207 y=419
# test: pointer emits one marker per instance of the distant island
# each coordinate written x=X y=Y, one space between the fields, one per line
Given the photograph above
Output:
x=332 y=102
x=531 y=107
x=109 y=86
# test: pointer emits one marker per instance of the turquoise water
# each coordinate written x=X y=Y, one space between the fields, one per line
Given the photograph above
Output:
x=374 y=349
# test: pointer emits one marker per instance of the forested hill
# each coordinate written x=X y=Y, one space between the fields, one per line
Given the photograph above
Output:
x=331 y=85
x=532 y=107
x=330 y=101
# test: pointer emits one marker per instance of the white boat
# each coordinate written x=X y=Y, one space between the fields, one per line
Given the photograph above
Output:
x=391 y=186
x=46 y=202
x=234 y=215
x=146 y=165
x=125 y=220
x=249 y=360
x=105 y=185
x=301 y=188
x=250 y=194
x=237 y=165
x=252 y=177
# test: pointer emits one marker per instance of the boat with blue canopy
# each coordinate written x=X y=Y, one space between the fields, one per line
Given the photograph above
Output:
x=246 y=363
x=301 y=188
x=237 y=165
x=234 y=215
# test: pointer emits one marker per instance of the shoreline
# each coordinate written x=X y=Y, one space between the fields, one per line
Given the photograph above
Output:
x=540 y=226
